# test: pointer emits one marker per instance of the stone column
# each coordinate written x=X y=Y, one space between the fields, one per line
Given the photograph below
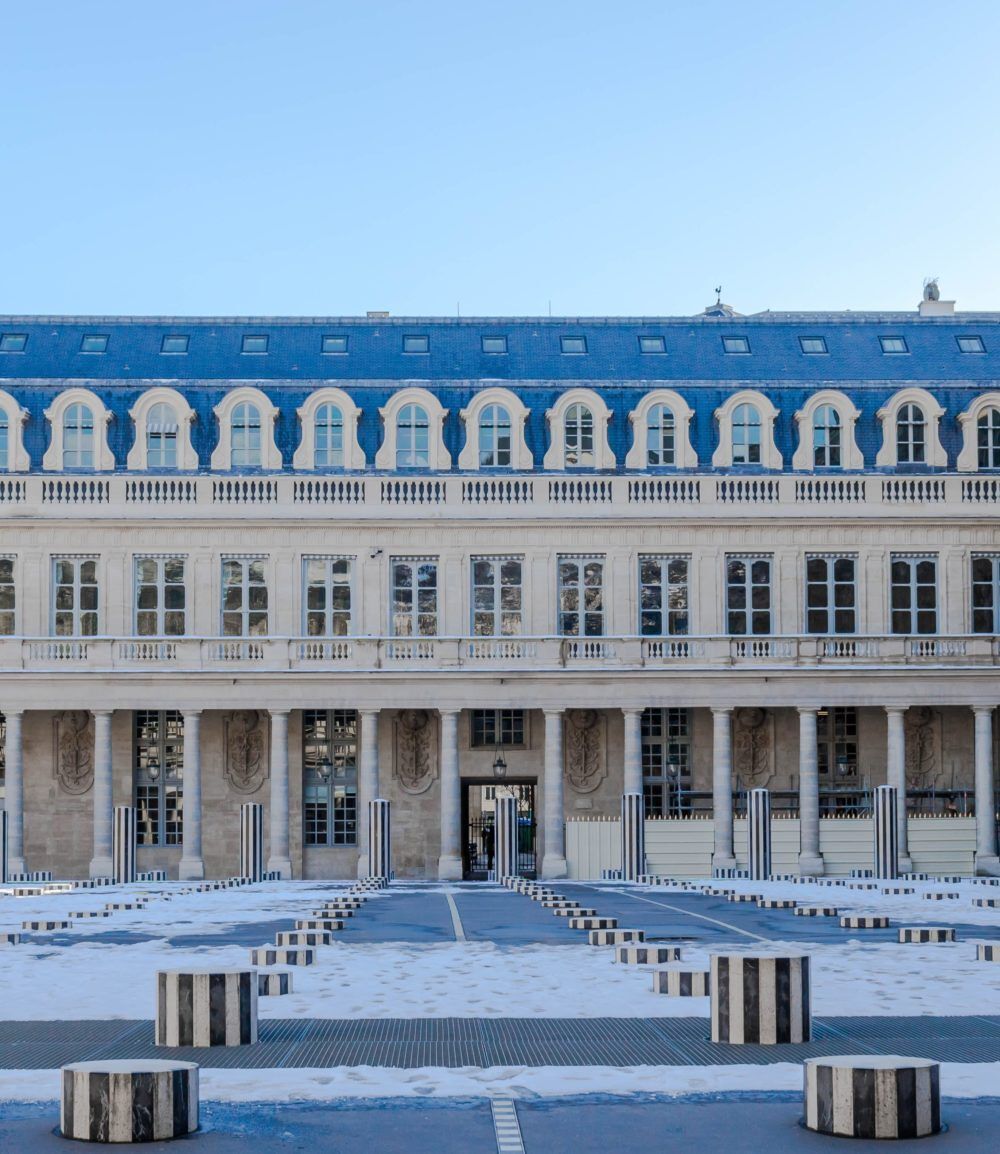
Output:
x=14 y=800
x=101 y=864
x=633 y=751
x=279 y=858
x=368 y=784
x=450 y=861
x=554 y=861
x=896 y=775
x=810 y=858
x=192 y=864
x=987 y=861
x=722 y=788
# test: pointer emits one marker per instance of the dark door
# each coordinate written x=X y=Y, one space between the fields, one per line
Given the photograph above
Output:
x=478 y=798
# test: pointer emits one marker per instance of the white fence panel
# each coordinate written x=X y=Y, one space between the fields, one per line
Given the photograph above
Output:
x=942 y=845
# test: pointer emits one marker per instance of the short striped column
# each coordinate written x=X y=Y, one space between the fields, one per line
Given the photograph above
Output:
x=886 y=833
x=505 y=832
x=681 y=982
x=633 y=839
x=985 y=952
x=273 y=983
x=379 y=839
x=252 y=840
x=759 y=833
x=3 y=847
x=206 y=1007
x=138 y=1100
x=926 y=935
x=123 y=845
x=759 y=998
x=867 y=1096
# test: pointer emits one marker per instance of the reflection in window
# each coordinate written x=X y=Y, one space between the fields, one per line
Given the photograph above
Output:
x=988 y=439
x=7 y=596
x=4 y=442
x=328 y=596
x=414 y=598
x=666 y=761
x=494 y=438
x=161 y=437
x=911 y=436
x=330 y=776
x=160 y=597
x=748 y=596
x=244 y=597
x=581 y=597
x=986 y=593
x=496 y=596
x=746 y=435
x=158 y=777
x=663 y=596
x=660 y=433
x=579 y=437
x=75 y=601
x=826 y=438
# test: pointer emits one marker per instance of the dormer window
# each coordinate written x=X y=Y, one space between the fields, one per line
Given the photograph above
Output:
x=417 y=344
x=652 y=345
x=13 y=342
x=494 y=344
x=746 y=435
x=78 y=438
x=893 y=345
x=94 y=343
x=736 y=345
x=573 y=345
x=813 y=346
x=254 y=344
x=174 y=343
x=332 y=344
x=970 y=345
x=579 y=437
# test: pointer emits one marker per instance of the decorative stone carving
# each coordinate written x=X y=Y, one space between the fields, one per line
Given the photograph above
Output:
x=586 y=763
x=923 y=752
x=246 y=760
x=74 y=755
x=753 y=747
x=414 y=766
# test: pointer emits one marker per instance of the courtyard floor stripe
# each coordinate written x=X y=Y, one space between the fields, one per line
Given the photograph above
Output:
x=506 y=1126
x=692 y=914
x=456 y=920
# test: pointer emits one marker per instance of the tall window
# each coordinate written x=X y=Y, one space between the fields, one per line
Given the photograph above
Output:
x=985 y=593
x=581 y=597
x=496 y=596
x=494 y=438
x=8 y=601
x=414 y=597
x=160 y=597
x=493 y=727
x=158 y=776
x=161 y=437
x=663 y=596
x=328 y=445
x=660 y=445
x=837 y=744
x=579 y=437
x=412 y=438
x=988 y=439
x=327 y=596
x=914 y=595
x=330 y=772
x=831 y=595
x=666 y=761
x=4 y=442
x=75 y=600
x=244 y=597
x=746 y=435
x=911 y=436
x=245 y=442
x=826 y=438
x=748 y=595
x=78 y=437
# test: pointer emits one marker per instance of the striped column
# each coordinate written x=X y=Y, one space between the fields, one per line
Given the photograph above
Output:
x=505 y=831
x=13 y=802
x=252 y=841
x=759 y=833
x=101 y=863
x=129 y=1101
x=123 y=845
x=206 y=1007
x=722 y=788
x=379 y=839
x=4 y=865
x=886 y=831
x=633 y=840
x=864 y=1096
x=759 y=998
x=280 y=860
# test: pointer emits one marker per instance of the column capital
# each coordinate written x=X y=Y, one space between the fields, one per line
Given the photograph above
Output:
x=186 y=713
x=722 y=710
x=448 y=712
x=981 y=709
x=553 y=712
x=368 y=712
x=628 y=710
x=894 y=709
x=279 y=712
x=803 y=709
x=9 y=713
x=102 y=712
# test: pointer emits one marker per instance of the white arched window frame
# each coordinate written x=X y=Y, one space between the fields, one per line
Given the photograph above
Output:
x=521 y=459
x=555 y=456
x=142 y=413
x=888 y=415
x=968 y=422
x=222 y=454
x=16 y=459
x=770 y=458
x=438 y=457
x=305 y=454
x=804 y=457
x=55 y=414
x=640 y=419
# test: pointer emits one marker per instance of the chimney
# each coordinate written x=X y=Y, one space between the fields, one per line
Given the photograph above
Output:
x=376 y=315
x=932 y=305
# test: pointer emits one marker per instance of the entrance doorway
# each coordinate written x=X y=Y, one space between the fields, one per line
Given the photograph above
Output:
x=478 y=810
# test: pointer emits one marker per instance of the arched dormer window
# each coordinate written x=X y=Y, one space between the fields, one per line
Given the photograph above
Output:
x=910 y=422
x=246 y=431
x=329 y=432
x=413 y=438
x=13 y=458
x=78 y=420
x=661 y=433
x=163 y=420
x=746 y=432
x=988 y=439
x=578 y=432
x=495 y=450
x=4 y=443
x=161 y=437
x=826 y=424
x=660 y=437
x=494 y=423
x=980 y=425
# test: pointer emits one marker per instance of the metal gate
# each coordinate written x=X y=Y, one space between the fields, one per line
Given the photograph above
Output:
x=478 y=848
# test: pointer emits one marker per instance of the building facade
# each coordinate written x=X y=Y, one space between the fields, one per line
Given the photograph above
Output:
x=312 y=562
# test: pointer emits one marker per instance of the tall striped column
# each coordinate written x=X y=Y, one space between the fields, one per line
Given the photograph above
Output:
x=759 y=833
x=633 y=840
x=379 y=839
x=505 y=831
x=4 y=869
x=123 y=845
x=252 y=841
x=13 y=802
x=886 y=832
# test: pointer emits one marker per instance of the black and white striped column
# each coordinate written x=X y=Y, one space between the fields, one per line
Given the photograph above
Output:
x=206 y=1007
x=252 y=841
x=759 y=833
x=138 y=1100
x=886 y=832
x=868 y=1096
x=123 y=845
x=379 y=839
x=505 y=831
x=760 y=998
x=3 y=847
x=633 y=839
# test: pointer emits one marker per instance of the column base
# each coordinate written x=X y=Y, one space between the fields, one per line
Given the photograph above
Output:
x=363 y=865
x=554 y=866
x=450 y=868
x=987 y=866
x=101 y=867
x=191 y=869
x=15 y=865
x=723 y=861
x=811 y=865
x=280 y=865
x=905 y=863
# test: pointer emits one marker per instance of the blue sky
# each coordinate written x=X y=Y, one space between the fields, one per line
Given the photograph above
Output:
x=299 y=157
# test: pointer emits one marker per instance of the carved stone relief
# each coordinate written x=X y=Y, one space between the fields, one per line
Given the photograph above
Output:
x=74 y=751
x=413 y=765
x=586 y=750
x=246 y=750
x=753 y=747
x=923 y=747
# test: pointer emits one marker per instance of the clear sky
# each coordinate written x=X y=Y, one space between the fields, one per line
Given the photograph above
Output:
x=615 y=157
